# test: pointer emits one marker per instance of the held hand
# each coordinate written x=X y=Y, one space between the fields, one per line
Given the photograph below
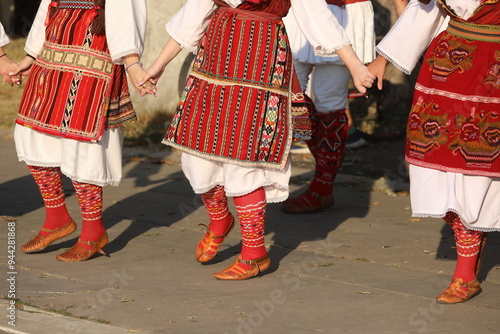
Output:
x=7 y=66
x=378 y=67
x=22 y=70
x=362 y=78
x=136 y=74
x=152 y=74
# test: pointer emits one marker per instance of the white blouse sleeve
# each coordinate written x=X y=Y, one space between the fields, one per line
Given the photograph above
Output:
x=36 y=36
x=125 y=27
x=188 y=25
x=412 y=33
x=4 y=40
x=320 y=26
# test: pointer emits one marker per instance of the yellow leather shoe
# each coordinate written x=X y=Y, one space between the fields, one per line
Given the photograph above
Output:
x=234 y=272
x=40 y=242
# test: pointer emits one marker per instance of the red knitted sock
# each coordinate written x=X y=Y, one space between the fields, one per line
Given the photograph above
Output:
x=49 y=181
x=90 y=200
x=215 y=201
x=251 y=214
x=468 y=243
x=328 y=147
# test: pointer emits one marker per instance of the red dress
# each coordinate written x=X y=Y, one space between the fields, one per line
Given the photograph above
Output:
x=454 y=123
x=237 y=103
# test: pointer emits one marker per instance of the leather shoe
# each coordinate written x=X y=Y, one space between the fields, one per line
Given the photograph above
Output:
x=303 y=204
x=234 y=272
x=80 y=253
x=459 y=292
x=40 y=242
x=208 y=243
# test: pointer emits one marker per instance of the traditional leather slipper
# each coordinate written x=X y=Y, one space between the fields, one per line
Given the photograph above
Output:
x=234 y=272
x=40 y=242
x=459 y=292
x=80 y=253
x=303 y=203
x=208 y=243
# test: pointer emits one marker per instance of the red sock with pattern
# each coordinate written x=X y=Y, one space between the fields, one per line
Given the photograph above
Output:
x=90 y=200
x=251 y=210
x=330 y=131
x=468 y=243
x=49 y=181
x=215 y=201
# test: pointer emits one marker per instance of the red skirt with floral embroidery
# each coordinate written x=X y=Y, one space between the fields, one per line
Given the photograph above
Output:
x=454 y=123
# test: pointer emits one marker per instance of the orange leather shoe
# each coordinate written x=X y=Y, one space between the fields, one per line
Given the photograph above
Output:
x=258 y=265
x=40 y=242
x=79 y=253
x=302 y=204
x=207 y=243
x=459 y=292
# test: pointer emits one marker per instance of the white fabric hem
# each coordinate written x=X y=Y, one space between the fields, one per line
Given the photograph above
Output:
x=473 y=198
x=399 y=67
x=323 y=52
x=272 y=185
x=114 y=183
x=118 y=58
x=440 y=215
x=205 y=174
x=69 y=175
x=30 y=51
x=4 y=42
x=94 y=163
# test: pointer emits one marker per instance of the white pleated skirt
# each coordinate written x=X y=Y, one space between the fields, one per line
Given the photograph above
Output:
x=95 y=163
x=357 y=19
x=204 y=174
x=474 y=198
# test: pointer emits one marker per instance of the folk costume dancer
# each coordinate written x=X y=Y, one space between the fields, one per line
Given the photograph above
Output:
x=6 y=64
x=234 y=121
x=329 y=83
x=73 y=109
x=452 y=133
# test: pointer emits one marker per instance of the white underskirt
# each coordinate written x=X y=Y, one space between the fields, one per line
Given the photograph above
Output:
x=356 y=19
x=95 y=163
x=205 y=174
x=474 y=198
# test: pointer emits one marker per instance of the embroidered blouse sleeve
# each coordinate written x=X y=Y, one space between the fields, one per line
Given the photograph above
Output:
x=411 y=34
x=320 y=26
x=36 y=36
x=4 y=40
x=188 y=25
x=125 y=27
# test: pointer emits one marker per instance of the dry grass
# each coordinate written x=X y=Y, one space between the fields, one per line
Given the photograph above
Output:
x=11 y=96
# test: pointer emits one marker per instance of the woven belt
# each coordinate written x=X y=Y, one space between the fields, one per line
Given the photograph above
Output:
x=475 y=32
x=75 y=4
x=251 y=15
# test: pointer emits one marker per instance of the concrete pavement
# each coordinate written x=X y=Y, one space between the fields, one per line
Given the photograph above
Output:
x=363 y=266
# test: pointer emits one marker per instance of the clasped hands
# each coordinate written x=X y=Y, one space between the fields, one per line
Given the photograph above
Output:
x=13 y=73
